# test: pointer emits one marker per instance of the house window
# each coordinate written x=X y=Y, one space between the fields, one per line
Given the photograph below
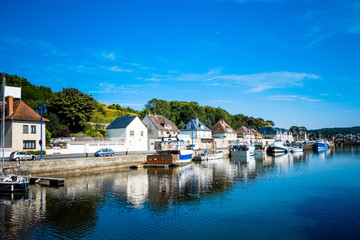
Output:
x=25 y=129
x=142 y=133
x=33 y=129
x=29 y=144
x=132 y=133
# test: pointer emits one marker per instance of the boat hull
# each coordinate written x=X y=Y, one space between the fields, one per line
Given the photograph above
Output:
x=277 y=149
x=13 y=187
x=318 y=146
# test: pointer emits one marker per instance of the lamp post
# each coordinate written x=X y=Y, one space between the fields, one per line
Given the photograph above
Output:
x=42 y=108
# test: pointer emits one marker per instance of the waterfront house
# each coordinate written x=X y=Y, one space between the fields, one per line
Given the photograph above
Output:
x=198 y=133
x=245 y=131
x=277 y=133
x=131 y=130
x=158 y=127
x=22 y=126
x=223 y=130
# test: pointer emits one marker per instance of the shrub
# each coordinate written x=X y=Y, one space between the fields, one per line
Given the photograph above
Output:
x=38 y=152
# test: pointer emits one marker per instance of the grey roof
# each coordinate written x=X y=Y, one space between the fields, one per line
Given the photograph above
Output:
x=196 y=125
x=271 y=130
x=121 y=122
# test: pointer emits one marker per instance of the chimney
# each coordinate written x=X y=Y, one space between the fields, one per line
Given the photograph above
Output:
x=10 y=105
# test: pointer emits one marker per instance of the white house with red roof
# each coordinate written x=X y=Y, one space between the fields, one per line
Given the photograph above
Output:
x=22 y=126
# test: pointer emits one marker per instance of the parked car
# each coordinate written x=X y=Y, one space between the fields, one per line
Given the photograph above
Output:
x=104 y=152
x=16 y=156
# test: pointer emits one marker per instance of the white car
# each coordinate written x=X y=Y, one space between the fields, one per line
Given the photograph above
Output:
x=16 y=156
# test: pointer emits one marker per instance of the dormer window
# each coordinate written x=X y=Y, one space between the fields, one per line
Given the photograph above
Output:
x=167 y=125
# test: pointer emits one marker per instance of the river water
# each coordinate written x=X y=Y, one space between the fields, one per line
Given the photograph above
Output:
x=300 y=196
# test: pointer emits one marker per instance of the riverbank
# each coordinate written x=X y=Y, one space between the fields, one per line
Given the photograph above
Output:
x=82 y=165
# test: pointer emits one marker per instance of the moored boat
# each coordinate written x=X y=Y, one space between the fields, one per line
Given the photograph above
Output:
x=296 y=149
x=171 y=151
x=278 y=147
x=208 y=155
x=244 y=150
x=13 y=183
x=259 y=149
x=320 y=144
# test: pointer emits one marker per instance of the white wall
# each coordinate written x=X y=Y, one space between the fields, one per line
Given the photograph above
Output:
x=197 y=134
x=136 y=142
x=226 y=136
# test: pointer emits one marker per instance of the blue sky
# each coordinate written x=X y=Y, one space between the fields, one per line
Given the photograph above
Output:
x=292 y=62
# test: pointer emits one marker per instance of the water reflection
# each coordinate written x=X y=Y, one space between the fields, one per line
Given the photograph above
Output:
x=74 y=210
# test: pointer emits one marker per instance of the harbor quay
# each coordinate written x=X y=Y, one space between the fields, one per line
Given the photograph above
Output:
x=58 y=167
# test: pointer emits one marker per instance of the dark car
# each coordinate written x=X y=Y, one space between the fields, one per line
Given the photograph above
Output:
x=16 y=156
x=104 y=152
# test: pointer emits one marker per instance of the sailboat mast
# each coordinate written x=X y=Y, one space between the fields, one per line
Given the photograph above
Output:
x=3 y=124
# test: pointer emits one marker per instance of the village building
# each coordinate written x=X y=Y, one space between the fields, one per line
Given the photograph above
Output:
x=200 y=135
x=131 y=131
x=277 y=133
x=245 y=132
x=158 y=127
x=300 y=136
x=22 y=127
x=225 y=134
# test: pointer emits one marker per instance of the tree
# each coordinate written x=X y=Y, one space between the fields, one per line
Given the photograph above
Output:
x=270 y=122
x=73 y=108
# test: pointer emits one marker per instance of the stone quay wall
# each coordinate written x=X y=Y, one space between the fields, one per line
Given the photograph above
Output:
x=78 y=165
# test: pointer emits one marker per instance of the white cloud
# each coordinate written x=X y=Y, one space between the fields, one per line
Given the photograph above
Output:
x=45 y=48
x=222 y=101
x=291 y=98
x=334 y=18
x=110 y=88
x=117 y=69
x=252 y=82
x=110 y=56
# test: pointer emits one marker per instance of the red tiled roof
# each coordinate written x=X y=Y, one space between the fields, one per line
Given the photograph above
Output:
x=222 y=127
x=23 y=112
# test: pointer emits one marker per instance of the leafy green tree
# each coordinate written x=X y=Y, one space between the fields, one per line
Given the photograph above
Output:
x=73 y=108
x=271 y=123
x=62 y=133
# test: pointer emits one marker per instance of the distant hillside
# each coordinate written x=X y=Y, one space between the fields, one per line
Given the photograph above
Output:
x=334 y=131
x=107 y=113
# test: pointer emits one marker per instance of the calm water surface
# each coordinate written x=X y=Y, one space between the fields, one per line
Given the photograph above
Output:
x=302 y=196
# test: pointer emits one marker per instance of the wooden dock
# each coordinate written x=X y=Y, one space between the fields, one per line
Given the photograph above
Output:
x=49 y=181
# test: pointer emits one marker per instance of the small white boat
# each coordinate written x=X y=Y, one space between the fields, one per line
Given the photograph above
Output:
x=278 y=147
x=208 y=155
x=13 y=183
x=296 y=149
